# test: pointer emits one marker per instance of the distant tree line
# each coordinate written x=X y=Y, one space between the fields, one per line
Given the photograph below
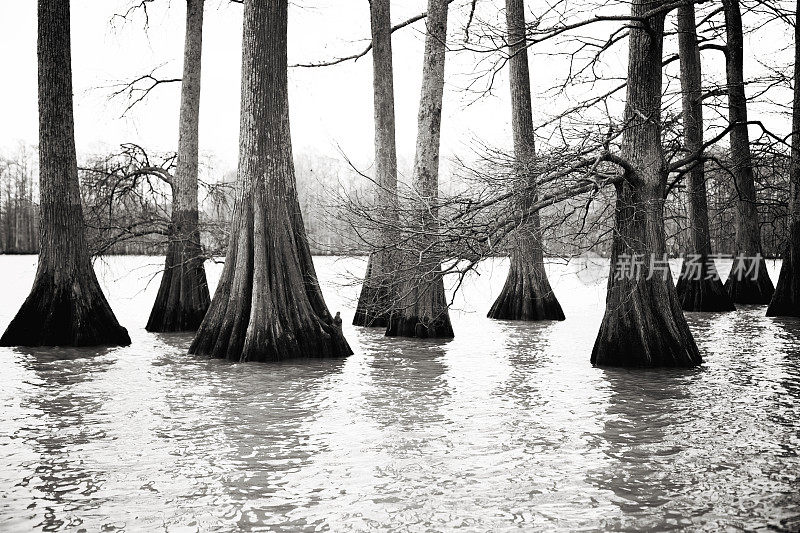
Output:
x=133 y=219
x=128 y=210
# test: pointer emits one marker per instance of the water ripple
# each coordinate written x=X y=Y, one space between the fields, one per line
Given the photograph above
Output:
x=506 y=427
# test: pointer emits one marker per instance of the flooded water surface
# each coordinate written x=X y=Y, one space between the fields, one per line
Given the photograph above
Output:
x=506 y=427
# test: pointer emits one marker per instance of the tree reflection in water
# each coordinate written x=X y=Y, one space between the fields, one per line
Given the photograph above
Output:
x=54 y=425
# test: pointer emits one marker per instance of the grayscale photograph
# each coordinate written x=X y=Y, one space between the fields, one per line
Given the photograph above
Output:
x=399 y=265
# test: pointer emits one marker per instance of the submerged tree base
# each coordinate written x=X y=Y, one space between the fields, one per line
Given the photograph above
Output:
x=271 y=343
x=374 y=301
x=424 y=313
x=183 y=296
x=420 y=327
x=700 y=289
x=749 y=282
x=527 y=295
x=786 y=298
x=645 y=328
x=172 y=314
x=67 y=313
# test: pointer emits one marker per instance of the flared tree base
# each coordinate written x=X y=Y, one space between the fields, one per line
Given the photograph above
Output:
x=526 y=296
x=182 y=301
x=423 y=311
x=749 y=282
x=644 y=327
x=374 y=302
x=272 y=343
x=172 y=317
x=73 y=313
x=183 y=297
x=786 y=298
x=420 y=327
x=700 y=289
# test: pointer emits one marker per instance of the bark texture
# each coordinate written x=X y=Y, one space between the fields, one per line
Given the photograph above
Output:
x=183 y=297
x=699 y=286
x=643 y=323
x=743 y=289
x=786 y=299
x=268 y=305
x=527 y=294
x=377 y=291
x=66 y=306
x=422 y=303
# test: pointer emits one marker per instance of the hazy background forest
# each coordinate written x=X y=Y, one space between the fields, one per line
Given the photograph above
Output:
x=135 y=220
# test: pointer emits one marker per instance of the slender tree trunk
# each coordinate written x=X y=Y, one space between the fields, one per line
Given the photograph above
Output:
x=377 y=291
x=699 y=286
x=786 y=299
x=527 y=294
x=183 y=297
x=66 y=306
x=422 y=303
x=643 y=324
x=755 y=287
x=268 y=305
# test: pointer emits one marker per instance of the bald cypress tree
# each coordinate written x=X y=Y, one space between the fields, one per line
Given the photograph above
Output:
x=786 y=299
x=268 y=305
x=183 y=296
x=699 y=286
x=756 y=287
x=66 y=306
x=527 y=294
x=643 y=324
x=421 y=309
x=377 y=291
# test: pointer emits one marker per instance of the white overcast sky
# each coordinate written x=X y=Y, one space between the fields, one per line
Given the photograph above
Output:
x=329 y=106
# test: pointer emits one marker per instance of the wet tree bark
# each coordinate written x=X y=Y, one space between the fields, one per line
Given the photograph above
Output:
x=756 y=288
x=527 y=294
x=643 y=325
x=66 y=306
x=422 y=304
x=377 y=291
x=699 y=286
x=183 y=296
x=786 y=299
x=268 y=305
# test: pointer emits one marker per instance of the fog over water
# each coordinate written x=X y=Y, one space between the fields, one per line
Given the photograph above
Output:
x=505 y=427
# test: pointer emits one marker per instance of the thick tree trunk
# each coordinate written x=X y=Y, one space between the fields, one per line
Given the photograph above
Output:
x=527 y=294
x=183 y=298
x=786 y=299
x=66 y=306
x=699 y=286
x=268 y=305
x=377 y=291
x=643 y=324
x=422 y=303
x=743 y=289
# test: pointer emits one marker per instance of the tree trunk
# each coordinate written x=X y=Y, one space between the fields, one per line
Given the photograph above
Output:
x=268 y=305
x=377 y=291
x=66 y=306
x=699 y=286
x=527 y=294
x=743 y=289
x=183 y=297
x=422 y=303
x=643 y=324
x=786 y=299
